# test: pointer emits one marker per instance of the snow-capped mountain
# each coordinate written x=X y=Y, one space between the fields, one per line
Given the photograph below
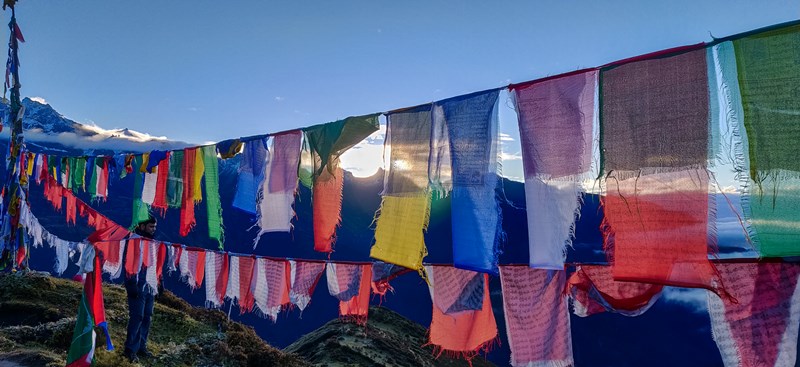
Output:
x=47 y=130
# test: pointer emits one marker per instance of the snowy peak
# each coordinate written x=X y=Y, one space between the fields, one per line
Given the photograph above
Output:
x=47 y=130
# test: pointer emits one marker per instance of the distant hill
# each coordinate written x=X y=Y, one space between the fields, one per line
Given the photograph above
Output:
x=388 y=339
x=37 y=317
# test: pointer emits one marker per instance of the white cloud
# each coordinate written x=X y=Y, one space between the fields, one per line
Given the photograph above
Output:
x=279 y=98
x=693 y=298
x=39 y=99
x=193 y=109
x=88 y=137
x=506 y=137
x=510 y=156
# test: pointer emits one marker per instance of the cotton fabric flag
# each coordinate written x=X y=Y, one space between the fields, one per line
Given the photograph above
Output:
x=251 y=174
x=141 y=211
x=555 y=122
x=216 y=276
x=152 y=264
x=759 y=325
x=399 y=230
x=192 y=265
x=327 y=207
x=350 y=284
x=277 y=190
x=656 y=201
x=272 y=287
x=472 y=128
x=304 y=277
x=149 y=188
x=113 y=254
x=326 y=143
x=91 y=313
x=133 y=257
x=71 y=207
x=162 y=171
x=767 y=75
x=594 y=290
x=242 y=270
x=405 y=206
x=213 y=204
x=382 y=274
x=188 y=221
x=175 y=179
x=538 y=336
x=465 y=333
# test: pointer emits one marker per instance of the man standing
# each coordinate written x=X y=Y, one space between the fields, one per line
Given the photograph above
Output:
x=140 y=303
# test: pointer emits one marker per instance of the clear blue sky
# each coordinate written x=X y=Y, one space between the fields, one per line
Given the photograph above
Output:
x=209 y=70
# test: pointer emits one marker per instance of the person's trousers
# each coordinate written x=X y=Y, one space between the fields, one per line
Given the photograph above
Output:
x=140 y=310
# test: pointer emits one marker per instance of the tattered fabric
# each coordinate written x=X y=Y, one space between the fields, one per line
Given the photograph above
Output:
x=304 y=277
x=327 y=142
x=472 y=128
x=188 y=221
x=656 y=204
x=272 y=287
x=759 y=326
x=251 y=174
x=141 y=211
x=160 y=199
x=327 y=207
x=276 y=192
x=192 y=265
x=175 y=179
x=464 y=333
x=398 y=234
x=555 y=123
x=133 y=257
x=768 y=74
x=240 y=282
x=216 y=278
x=213 y=205
x=540 y=335
x=594 y=290
x=350 y=284
x=151 y=263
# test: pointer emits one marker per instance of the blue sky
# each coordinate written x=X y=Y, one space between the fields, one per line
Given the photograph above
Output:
x=197 y=71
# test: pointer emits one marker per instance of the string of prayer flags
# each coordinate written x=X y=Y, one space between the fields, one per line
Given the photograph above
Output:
x=276 y=191
x=251 y=173
x=766 y=64
x=656 y=205
x=758 y=326
x=216 y=277
x=465 y=333
x=555 y=123
x=272 y=287
x=326 y=143
x=240 y=282
x=540 y=335
x=192 y=266
x=472 y=128
x=213 y=204
x=304 y=276
x=594 y=290
x=405 y=207
x=187 y=201
x=350 y=284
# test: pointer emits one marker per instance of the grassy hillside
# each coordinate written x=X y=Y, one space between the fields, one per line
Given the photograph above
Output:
x=37 y=316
